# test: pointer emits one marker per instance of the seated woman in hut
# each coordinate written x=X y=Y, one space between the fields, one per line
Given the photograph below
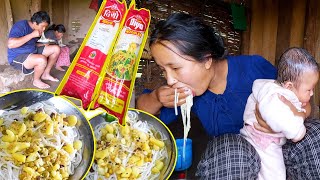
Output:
x=56 y=32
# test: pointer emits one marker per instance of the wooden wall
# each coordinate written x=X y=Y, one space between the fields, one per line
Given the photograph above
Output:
x=5 y=23
x=60 y=15
x=279 y=24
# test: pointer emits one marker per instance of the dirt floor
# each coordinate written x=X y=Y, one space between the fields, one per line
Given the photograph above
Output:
x=27 y=82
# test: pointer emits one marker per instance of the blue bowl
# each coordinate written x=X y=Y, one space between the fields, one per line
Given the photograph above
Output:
x=184 y=157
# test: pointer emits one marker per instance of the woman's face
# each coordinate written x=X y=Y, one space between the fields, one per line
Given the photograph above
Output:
x=182 y=71
x=58 y=34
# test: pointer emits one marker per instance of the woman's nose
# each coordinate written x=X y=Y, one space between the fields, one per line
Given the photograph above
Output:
x=171 y=80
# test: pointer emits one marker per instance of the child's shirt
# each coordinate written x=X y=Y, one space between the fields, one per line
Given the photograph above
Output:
x=277 y=115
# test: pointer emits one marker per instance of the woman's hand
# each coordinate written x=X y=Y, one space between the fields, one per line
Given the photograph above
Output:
x=163 y=96
x=166 y=95
x=264 y=127
x=261 y=125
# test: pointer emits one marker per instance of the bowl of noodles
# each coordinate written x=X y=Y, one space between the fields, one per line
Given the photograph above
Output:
x=43 y=137
x=143 y=149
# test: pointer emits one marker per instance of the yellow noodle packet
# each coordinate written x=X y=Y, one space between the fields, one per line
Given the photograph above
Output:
x=82 y=76
x=115 y=90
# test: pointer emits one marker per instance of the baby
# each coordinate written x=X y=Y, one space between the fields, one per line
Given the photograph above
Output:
x=298 y=74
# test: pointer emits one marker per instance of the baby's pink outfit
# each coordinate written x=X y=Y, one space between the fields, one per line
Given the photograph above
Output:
x=280 y=119
x=64 y=57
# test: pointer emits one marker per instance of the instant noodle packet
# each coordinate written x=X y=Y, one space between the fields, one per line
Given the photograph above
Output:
x=83 y=75
x=116 y=88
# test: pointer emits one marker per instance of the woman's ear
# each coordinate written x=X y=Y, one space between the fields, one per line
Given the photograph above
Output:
x=208 y=63
x=288 y=85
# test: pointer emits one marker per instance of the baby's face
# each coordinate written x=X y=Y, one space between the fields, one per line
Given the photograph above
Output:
x=305 y=89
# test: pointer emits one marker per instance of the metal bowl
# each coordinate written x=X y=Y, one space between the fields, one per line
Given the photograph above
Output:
x=19 y=99
x=159 y=126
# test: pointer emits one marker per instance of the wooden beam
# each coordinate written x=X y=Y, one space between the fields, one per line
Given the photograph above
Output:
x=66 y=19
x=312 y=36
x=270 y=27
x=35 y=6
x=8 y=14
x=50 y=11
x=312 y=28
x=256 y=28
x=297 y=23
x=284 y=25
x=245 y=35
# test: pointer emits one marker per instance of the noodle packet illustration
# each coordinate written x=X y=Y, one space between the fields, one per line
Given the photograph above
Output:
x=116 y=88
x=82 y=76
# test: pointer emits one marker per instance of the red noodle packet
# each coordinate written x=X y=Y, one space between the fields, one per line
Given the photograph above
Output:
x=83 y=75
x=116 y=89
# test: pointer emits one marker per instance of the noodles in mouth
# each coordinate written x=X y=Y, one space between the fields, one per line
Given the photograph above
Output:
x=185 y=112
x=38 y=142
x=134 y=151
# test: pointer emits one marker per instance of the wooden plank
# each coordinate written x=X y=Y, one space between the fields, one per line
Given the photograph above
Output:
x=312 y=33
x=8 y=14
x=50 y=11
x=66 y=19
x=58 y=11
x=245 y=35
x=3 y=33
x=60 y=15
x=35 y=6
x=284 y=25
x=297 y=23
x=317 y=26
x=256 y=27
x=270 y=27
x=312 y=27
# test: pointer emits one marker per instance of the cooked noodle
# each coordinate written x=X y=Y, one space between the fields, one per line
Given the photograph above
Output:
x=185 y=112
x=47 y=143
x=127 y=145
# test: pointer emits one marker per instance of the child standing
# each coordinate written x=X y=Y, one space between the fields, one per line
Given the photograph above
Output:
x=56 y=32
x=298 y=73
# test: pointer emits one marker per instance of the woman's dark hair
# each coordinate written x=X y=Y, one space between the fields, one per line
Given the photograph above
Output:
x=191 y=36
x=40 y=16
x=60 y=28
